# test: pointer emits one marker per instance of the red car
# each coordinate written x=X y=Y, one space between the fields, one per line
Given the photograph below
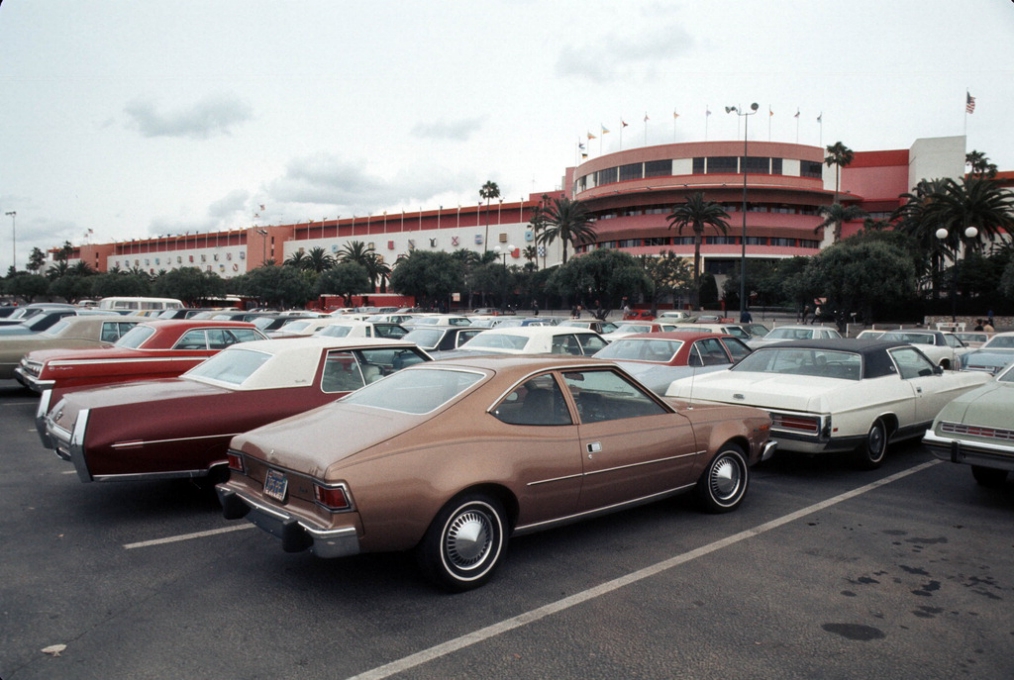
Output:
x=656 y=359
x=153 y=349
x=181 y=427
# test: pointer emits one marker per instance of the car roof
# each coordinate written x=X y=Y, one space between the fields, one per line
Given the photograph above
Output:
x=535 y=331
x=529 y=362
x=686 y=336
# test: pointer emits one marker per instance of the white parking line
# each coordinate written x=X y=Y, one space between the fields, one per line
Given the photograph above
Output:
x=187 y=537
x=419 y=658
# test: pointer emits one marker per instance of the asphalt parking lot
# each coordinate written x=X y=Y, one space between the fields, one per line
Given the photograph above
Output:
x=824 y=572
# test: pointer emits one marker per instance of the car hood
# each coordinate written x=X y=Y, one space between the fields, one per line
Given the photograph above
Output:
x=153 y=391
x=43 y=355
x=766 y=390
x=987 y=406
x=295 y=443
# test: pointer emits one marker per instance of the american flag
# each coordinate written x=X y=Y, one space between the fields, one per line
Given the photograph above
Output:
x=969 y=103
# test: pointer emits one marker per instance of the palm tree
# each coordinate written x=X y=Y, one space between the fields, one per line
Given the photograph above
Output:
x=698 y=214
x=319 y=260
x=488 y=191
x=836 y=215
x=568 y=221
x=538 y=223
x=911 y=219
x=376 y=269
x=980 y=165
x=975 y=202
x=840 y=156
x=298 y=259
x=355 y=251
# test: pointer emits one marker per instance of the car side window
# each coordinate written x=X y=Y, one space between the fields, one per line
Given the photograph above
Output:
x=219 y=338
x=604 y=395
x=537 y=401
x=712 y=352
x=194 y=339
x=565 y=344
x=591 y=343
x=341 y=373
x=736 y=348
x=113 y=330
x=911 y=363
x=245 y=334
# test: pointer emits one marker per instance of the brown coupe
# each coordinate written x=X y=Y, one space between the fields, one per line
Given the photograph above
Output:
x=453 y=457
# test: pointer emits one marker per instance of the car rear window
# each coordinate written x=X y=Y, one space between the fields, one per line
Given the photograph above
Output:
x=415 y=391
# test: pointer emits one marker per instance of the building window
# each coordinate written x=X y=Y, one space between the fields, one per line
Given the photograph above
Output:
x=658 y=168
x=720 y=240
x=811 y=169
x=755 y=165
x=699 y=166
x=722 y=164
x=756 y=241
x=776 y=166
x=607 y=176
x=632 y=171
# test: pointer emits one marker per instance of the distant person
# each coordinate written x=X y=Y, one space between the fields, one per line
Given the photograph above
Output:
x=816 y=315
x=806 y=313
x=535 y=307
x=989 y=319
x=978 y=325
x=988 y=327
x=746 y=316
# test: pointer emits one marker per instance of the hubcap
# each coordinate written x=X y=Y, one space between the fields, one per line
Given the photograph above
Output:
x=468 y=539
x=725 y=479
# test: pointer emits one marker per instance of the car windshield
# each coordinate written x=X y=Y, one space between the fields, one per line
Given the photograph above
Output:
x=491 y=340
x=415 y=391
x=636 y=349
x=633 y=328
x=911 y=338
x=232 y=367
x=58 y=327
x=135 y=337
x=789 y=334
x=424 y=337
x=295 y=326
x=1007 y=376
x=1000 y=341
x=335 y=331
x=803 y=361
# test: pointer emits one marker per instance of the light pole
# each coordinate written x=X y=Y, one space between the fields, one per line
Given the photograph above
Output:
x=264 y=245
x=942 y=233
x=500 y=251
x=14 y=240
x=745 y=115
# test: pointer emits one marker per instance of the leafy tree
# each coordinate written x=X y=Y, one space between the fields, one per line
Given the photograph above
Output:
x=836 y=215
x=121 y=285
x=839 y=156
x=488 y=191
x=430 y=277
x=190 y=285
x=670 y=276
x=568 y=221
x=601 y=279
x=27 y=286
x=709 y=290
x=1007 y=281
x=281 y=287
x=36 y=261
x=698 y=214
x=345 y=279
x=71 y=287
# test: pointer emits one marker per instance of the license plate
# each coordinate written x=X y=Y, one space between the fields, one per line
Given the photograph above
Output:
x=275 y=485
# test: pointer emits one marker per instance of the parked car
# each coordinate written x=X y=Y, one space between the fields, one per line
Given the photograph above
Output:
x=21 y=314
x=628 y=328
x=534 y=340
x=441 y=338
x=870 y=334
x=181 y=427
x=656 y=359
x=994 y=356
x=944 y=349
x=301 y=326
x=152 y=349
x=600 y=327
x=452 y=458
x=439 y=320
x=837 y=395
x=362 y=329
x=673 y=315
x=976 y=429
x=795 y=332
x=71 y=332
x=756 y=330
x=973 y=339
x=720 y=328
x=42 y=321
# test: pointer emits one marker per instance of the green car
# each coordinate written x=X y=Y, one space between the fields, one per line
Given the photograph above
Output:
x=976 y=429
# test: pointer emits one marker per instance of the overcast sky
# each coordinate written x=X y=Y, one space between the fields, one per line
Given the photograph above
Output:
x=133 y=119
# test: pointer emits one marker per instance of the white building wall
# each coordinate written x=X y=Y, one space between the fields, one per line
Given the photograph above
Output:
x=936 y=158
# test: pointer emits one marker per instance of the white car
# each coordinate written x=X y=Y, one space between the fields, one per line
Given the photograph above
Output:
x=440 y=320
x=534 y=340
x=300 y=327
x=362 y=329
x=732 y=329
x=944 y=349
x=836 y=395
x=797 y=332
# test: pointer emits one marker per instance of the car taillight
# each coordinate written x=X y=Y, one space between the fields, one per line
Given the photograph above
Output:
x=235 y=461
x=334 y=498
x=803 y=424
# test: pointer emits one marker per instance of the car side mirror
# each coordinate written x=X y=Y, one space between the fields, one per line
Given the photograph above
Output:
x=938 y=370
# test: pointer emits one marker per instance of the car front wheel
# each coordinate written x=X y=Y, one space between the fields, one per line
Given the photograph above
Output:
x=723 y=485
x=989 y=477
x=465 y=543
x=871 y=453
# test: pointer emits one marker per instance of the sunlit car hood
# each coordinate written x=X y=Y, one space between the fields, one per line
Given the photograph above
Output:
x=295 y=443
x=986 y=406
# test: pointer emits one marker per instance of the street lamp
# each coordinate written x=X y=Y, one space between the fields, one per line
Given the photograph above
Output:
x=745 y=115
x=14 y=240
x=500 y=251
x=264 y=245
x=942 y=234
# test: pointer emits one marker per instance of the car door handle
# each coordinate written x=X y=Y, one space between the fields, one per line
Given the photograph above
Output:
x=595 y=447
x=919 y=390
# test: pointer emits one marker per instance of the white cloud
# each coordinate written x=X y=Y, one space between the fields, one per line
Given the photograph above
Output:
x=454 y=130
x=212 y=116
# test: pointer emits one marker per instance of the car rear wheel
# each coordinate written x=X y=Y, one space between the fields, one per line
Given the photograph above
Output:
x=871 y=453
x=465 y=543
x=989 y=477
x=723 y=484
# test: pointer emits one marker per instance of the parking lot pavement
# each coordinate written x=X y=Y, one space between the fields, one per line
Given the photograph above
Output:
x=826 y=572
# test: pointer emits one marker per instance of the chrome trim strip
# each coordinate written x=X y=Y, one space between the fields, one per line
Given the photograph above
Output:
x=569 y=519
x=41 y=411
x=132 y=360
x=133 y=444
x=150 y=476
x=555 y=479
x=645 y=462
x=77 y=439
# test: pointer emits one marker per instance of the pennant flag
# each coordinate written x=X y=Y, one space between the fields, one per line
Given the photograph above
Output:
x=675 y=115
x=591 y=136
x=797 y=114
x=770 y=112
x=584 y=155
x=262 y=206
x=969 y=103
x=623 y=122
x=707 y=112
x=645 y=116
x=605 y=130
x=820 y=118
x=580 y=145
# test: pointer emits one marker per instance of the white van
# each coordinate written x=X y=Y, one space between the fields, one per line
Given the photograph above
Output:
x=136 y=304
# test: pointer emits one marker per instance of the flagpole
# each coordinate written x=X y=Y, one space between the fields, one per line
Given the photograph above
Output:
x=797 y=125
x=820 y=123
x=674 y=117
x=707 y=114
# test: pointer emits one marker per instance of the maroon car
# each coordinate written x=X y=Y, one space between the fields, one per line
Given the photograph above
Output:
x=181 y=427
x=153 y=349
